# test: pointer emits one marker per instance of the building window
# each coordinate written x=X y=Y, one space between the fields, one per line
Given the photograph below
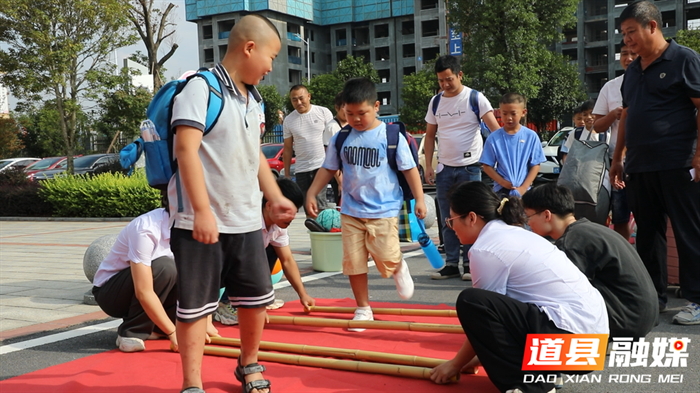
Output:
x=431 y=53
x=384 y=76
x=428 y=4
x=207 y=33
x=311 y=34
x=209 y=55
x=430 y=27
x=382 y=54
x=409 y=70
x=222 y=51
x=409 y=50
x=295 y=77
x=341 y=37
x=313 y=57
x=362 y=53
x=668 y=19
x=294 y=55
x=293 y=28
x=381 y=31
x=384 y=97
x=225 y=27
x=408 y=27
x=360 y=36
x=341 y=55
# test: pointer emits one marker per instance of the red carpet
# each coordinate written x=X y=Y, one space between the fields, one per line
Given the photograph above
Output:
x=158 y=370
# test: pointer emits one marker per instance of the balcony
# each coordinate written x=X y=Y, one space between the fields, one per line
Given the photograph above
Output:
x=294 y=59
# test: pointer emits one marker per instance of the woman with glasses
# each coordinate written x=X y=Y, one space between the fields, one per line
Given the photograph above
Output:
x=522 y=284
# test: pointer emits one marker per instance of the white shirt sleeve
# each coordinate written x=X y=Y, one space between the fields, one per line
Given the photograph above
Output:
x=490 y=273
x=430 y=117
x=142 y=245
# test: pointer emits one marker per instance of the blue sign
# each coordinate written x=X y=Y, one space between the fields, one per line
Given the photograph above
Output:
x=455 y=42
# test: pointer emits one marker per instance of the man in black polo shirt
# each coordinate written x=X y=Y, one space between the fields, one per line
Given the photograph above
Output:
x=659 y=129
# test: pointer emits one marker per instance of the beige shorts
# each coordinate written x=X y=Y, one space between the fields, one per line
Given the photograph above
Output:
x=378 y=237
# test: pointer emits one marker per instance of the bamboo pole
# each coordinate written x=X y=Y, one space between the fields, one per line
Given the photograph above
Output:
x=356 y=354
x=382 y=325
x=385 y=311
x=333 y=364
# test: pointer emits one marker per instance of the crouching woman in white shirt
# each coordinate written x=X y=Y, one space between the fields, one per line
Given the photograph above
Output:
x=522 y=284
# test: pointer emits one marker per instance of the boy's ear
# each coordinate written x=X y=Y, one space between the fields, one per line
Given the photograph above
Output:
x=547 y=215
x=524 y=111
x=248 y=48
x=376 y=106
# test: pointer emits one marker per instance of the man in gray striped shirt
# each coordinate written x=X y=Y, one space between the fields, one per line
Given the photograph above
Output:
x=303 y=134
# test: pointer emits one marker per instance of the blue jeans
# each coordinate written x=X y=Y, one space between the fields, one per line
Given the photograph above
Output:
x=444 y=180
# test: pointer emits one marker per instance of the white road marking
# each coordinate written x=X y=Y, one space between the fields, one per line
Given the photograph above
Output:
x=18 y=346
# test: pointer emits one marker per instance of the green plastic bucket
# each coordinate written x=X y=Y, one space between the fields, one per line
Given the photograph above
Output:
x=326 y=251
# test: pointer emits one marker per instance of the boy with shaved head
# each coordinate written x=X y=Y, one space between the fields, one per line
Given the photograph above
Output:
x=216 y=235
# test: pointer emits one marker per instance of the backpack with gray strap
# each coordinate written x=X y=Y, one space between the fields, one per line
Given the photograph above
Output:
x=585 y=173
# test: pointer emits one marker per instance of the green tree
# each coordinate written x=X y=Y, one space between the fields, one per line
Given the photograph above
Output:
x=506 y=42
x=689 y=38
x=560 y=90
x=10 y=141
x=416 y=92
x=58 y=49
x=155 y=27
x=41 y=134
x=142 y=59
x=324 y=88
x=273 y=103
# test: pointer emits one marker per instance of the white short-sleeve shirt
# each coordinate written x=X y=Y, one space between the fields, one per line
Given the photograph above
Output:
x=275 y=236
x=526 y=267
x=610 y=97
x=307 y=130
x=144 y=239
x=458 y=128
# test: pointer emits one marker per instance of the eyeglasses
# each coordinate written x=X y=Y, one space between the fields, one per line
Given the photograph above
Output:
x=533 y=214
x=448 y=221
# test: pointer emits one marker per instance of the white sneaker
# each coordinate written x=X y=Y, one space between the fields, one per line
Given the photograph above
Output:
x=277 y=304
x=130 y=344
x=404 y=281
x=689 y=315
x=226 y=314
x=361 y=315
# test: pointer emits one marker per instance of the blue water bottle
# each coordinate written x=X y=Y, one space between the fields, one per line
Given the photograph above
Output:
x=431 y=252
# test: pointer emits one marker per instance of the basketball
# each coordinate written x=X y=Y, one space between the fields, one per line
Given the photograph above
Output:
x=329 y=219
x=277 y=272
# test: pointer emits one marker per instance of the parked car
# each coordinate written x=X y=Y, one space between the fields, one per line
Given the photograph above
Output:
x=44 y=164
x=550 y=169
x=19 y=162
x=273 y=153
x=81 y=165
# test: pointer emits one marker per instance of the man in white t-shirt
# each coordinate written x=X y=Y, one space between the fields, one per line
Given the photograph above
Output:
x=460 y=147
x=607 y=112
x=332 y=128
x=303 y=134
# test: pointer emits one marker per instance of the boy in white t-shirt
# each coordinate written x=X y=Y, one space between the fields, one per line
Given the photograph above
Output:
x=372 y=196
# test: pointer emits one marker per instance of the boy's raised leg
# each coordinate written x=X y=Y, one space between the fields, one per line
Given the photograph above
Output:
x=251 y=322
x=190 y=338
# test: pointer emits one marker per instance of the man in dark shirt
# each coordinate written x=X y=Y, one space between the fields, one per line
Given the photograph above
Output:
x=659 y=130
x=603 y=255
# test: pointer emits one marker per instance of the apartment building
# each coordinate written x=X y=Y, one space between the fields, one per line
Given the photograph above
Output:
x=396 y=36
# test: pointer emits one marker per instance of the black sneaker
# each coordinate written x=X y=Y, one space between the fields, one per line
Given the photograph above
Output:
x=445 y=273
x=467 y=276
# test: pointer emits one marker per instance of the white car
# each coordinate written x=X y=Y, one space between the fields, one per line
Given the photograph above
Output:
x=550 y=169
x=19 y=162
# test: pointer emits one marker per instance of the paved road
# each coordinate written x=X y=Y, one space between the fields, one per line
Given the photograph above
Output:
x=42 y=286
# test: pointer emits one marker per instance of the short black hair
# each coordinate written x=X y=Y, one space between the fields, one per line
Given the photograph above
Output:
x=447 y=62
x=359 y=90
x=513 y=98
x=297 y=87
x=290 y=190
x=557 y=199
x=585 y=106
x=338 y=101
x=643 y=12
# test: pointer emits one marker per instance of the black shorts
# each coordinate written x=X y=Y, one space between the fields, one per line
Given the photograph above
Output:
x=237 y=262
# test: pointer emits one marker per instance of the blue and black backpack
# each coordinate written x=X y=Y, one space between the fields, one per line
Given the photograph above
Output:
x=474 y=104
x=160 y=164
x=392 y=137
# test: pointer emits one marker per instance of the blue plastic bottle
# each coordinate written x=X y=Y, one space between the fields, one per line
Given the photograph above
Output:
x=431 y=252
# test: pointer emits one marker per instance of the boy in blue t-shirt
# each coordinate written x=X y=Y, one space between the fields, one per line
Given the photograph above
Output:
x=371 y=196
x=512 y=154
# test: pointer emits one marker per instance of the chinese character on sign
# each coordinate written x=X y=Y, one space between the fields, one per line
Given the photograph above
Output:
x=677 y=355
x=665 y=352
x=586 y=348
x=546 y=351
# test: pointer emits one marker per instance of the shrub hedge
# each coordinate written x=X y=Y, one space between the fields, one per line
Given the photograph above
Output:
x=102 y=195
